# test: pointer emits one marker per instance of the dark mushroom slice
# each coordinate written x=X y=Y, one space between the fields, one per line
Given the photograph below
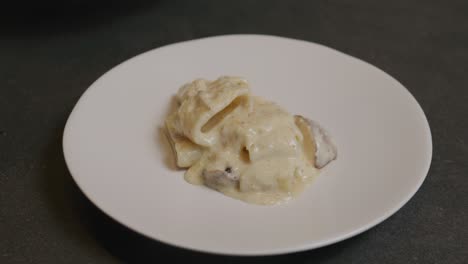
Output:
x=217 y=179
x=318 y=144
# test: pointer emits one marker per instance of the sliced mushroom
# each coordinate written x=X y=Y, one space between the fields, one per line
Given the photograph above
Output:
x=323 y=148
x=221 y=178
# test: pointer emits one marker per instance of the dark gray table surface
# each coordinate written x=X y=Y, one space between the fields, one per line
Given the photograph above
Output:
x=51 y=52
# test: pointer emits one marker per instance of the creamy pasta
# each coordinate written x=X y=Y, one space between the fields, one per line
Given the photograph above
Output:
x=242 y=145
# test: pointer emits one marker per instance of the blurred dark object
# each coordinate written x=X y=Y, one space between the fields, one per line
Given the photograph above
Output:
x=56 y=16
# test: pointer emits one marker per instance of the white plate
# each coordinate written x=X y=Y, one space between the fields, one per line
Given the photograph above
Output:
x=115 y=152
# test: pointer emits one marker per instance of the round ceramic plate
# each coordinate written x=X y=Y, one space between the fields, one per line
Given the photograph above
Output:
x=117 y=154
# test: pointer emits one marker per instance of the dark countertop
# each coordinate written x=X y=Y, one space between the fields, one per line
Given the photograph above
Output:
x=50 y=53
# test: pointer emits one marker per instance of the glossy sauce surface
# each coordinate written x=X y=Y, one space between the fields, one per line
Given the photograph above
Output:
x=238 y=144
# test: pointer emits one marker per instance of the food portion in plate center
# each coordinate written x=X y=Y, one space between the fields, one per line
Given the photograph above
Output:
x=242 y=145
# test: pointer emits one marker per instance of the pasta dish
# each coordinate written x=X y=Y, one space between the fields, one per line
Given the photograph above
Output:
x=242 y=145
